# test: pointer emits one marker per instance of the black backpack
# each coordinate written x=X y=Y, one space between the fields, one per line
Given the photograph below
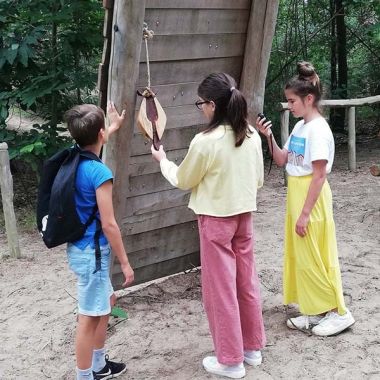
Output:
x=57 y=217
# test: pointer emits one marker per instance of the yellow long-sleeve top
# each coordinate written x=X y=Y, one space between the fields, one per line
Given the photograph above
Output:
x=223 y=178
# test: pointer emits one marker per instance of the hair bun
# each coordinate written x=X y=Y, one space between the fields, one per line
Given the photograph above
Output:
x=305 y=69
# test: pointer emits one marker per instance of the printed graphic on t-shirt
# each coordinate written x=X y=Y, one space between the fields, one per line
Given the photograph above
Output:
x=296 y=152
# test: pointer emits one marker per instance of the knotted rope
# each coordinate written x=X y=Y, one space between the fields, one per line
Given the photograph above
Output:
x=147 y=35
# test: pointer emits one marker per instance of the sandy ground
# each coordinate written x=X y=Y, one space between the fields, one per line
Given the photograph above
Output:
x=166 y=335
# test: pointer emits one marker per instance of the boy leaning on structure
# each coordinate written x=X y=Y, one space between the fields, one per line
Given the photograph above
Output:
x=86 y=124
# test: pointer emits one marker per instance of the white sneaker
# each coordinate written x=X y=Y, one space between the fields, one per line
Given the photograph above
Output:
x=303 y=322
x=253 y=357
x=211 y=364
x=333 y=324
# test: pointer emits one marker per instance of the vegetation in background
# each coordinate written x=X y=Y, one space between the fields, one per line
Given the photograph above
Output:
x=342 y=40
x=49 y=53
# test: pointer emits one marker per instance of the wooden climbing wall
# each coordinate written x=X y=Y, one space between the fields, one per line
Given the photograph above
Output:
x=192 y=39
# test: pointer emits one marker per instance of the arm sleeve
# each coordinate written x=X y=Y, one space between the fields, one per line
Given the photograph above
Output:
x=191 y=171
x=319 y=146
x=260 y=163
x=100 y=174
x=295 y=128
x=169 y=171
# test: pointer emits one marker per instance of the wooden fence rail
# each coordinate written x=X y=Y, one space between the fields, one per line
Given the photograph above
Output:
x=347 y=103
x=6 y=186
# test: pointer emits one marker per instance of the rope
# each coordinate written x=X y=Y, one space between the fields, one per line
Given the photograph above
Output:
x=147 y=35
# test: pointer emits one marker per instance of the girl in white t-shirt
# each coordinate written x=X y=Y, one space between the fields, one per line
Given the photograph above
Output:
x=312 y=276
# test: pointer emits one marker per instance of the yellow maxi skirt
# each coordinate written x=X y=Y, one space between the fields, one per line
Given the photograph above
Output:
x=312 y=276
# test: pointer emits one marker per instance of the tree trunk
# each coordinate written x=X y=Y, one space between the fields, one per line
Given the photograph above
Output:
x=257 y=51
x=341 y=51
x=333 y=73
x=54 y=61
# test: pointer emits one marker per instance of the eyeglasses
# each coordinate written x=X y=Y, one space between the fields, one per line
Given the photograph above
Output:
x=199 y=103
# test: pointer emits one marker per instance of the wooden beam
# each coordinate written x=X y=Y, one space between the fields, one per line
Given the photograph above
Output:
x=104 y=66
x=191 y=70
x=157 y=270
x=196 y=21
x=157 y=219
x=162 y=236
x=175 y=138
x=194 y=46
x=351 y=139
x=191 y=4
x=344 y=102
x=127 y=29
x=6 y=186
x=258 y=45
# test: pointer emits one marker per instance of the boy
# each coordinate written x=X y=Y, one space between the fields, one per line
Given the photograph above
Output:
x=86 y=124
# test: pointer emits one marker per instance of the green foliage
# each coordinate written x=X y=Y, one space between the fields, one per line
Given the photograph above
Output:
x=303 y=32
x=35 y=145
x=49 y=52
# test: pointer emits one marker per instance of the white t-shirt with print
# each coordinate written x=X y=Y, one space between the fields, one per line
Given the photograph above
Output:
x=309 y=142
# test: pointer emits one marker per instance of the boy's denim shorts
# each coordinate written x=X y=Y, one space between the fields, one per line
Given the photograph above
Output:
x=94 y=289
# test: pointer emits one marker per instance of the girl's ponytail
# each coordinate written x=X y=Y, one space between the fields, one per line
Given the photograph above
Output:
x=230 y=104
x=237 y=115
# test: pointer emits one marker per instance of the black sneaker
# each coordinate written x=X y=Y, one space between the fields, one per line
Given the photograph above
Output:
x=110 y=370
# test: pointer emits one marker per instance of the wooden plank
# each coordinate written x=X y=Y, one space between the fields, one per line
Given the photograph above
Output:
x=257 y=52
x=196 y=21
x=189 y=4
x=156 y=201
x=123 y=74
x=107 y=26
x=6 y=187
x=170 y=250
x=171 y=95
x=147 y=184
x=175 y=138
x=155 y=255
x=102 y=77
x=179 y=117
x=158 y=219
x=145 y=164
x=157 y=270
x=193 y=70
x=162 y=236
x=108 y=4
x=197 y=46
x=344 y=102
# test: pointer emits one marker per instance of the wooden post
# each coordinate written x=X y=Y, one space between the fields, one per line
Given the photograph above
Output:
x=127 y=34
x=104 y=66
x=258 y=45
x=284 y=125
x=351 y=139
x=6 y=185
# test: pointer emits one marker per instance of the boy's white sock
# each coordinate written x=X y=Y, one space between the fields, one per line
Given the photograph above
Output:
x=84 y=374
x=98 y=359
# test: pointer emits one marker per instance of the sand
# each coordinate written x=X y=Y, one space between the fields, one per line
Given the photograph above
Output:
x=166 y=335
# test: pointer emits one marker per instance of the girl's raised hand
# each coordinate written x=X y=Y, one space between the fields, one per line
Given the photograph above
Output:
x=264 y=126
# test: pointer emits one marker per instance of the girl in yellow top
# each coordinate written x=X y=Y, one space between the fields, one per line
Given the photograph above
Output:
x=224 y=168
x=312 y=276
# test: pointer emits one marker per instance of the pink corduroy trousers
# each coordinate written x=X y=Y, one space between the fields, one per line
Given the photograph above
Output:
x=230 y=286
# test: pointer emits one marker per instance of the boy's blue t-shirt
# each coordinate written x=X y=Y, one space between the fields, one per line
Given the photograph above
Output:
x=90 y=175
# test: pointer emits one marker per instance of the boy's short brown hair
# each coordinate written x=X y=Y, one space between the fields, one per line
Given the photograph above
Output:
x=84 y=123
